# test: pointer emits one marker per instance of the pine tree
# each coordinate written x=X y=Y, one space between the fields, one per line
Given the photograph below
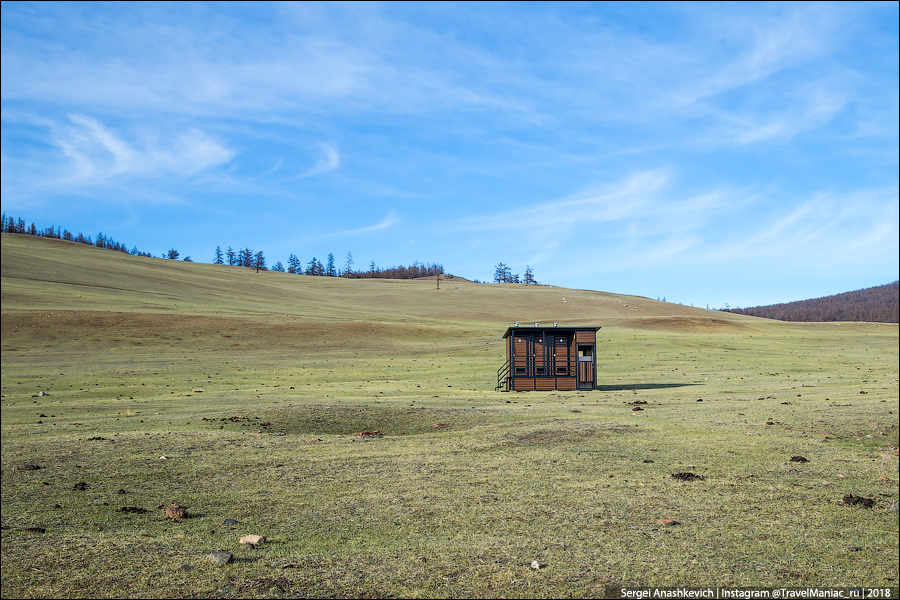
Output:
x=246 y=258
x=219 y=260
x=502 y=274
x=529 y=276
x=230 y=253
x=172 y=254
x=294 y=265
x=348 y=265
x=259 y=262
x=278 y=267
x=329 y=270
x=498 y=272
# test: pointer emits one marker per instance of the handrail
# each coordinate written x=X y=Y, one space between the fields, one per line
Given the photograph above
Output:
x=502 y=374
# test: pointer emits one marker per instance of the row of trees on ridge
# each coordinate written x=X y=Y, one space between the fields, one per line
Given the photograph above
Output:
x=13 y=225
x=246 y=257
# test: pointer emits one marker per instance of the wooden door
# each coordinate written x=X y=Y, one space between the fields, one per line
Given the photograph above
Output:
x=585 y=366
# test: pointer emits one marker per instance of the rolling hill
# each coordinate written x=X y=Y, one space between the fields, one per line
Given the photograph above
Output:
x=879 y=304
x=47 y=274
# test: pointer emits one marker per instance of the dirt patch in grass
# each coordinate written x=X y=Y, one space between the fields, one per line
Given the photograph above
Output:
x=27 y=467
x=688 y=477
x=330 y=419
x=563 y=431
x=851 y=500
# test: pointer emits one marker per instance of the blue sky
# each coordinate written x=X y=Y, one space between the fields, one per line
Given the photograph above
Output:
x=740 y=153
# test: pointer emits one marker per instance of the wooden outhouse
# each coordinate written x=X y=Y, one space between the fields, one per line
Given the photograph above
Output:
x=549 y=358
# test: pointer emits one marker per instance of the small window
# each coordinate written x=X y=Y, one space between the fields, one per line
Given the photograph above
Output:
x=585 y=352
x=562 y=370
x=520 y=370
x=539 y=371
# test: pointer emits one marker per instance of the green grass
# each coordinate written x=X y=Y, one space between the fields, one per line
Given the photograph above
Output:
x=467 y=486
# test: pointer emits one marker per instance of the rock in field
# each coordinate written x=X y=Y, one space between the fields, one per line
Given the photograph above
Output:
x=175 y=511
x=220 y=557
x=253 y=540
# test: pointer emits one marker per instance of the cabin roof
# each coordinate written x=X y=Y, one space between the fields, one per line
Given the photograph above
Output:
x=551 y=329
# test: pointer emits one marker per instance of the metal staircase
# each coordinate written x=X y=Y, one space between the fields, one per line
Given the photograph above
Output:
x=503 y=378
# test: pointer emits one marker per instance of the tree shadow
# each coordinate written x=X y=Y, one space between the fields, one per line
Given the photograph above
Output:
x=641 y=386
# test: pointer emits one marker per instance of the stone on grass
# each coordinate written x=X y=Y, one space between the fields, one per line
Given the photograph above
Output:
x=176 y=511
x=229 y=522
x=220 y=557
x=253 y=540
x=536 y=565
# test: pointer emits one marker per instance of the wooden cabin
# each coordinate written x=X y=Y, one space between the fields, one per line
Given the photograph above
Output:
x=549 y=358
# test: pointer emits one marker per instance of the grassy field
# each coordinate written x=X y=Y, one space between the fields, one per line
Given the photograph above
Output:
x=238 y=394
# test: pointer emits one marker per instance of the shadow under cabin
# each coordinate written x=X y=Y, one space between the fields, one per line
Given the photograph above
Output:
x=549 y=358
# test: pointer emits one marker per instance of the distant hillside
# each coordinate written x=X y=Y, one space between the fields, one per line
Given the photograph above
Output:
x=879 y=304
x=48 y=274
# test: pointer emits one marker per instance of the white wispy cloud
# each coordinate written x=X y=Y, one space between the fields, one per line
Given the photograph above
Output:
x=328 y=161
x=644 y=203
x=826 y=229
x=387 y=222
x=628 y=197
x=98 y=154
